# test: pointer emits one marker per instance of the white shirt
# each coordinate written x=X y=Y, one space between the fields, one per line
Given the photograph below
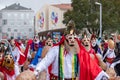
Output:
x=52 y=58
x=16 y=56
x=111 y=53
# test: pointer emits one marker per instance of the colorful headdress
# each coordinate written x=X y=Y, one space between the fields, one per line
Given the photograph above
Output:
x=6 y=45
x=70 y=27
x=93 y=36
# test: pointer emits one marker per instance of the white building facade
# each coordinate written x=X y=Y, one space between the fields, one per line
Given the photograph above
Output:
x=0 y=26
x=17 y=21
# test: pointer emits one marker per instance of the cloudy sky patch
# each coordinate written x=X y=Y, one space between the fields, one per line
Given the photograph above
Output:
x=34 y=4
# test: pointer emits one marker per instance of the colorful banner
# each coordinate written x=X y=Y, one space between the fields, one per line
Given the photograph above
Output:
x=40 y=19
x=54 y=18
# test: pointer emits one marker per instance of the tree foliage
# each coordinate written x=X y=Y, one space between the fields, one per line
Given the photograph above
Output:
x=85 y=14
x=111 y=14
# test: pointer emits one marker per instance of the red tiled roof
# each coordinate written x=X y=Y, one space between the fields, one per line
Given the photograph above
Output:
x=63 y=6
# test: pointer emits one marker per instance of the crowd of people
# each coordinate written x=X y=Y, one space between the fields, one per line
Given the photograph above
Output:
x=67 y=57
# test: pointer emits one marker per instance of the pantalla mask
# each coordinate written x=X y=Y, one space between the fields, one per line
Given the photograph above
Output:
x=93 y=42
x=86 y=41
x=70 y=38
x=49 y=42
x=8 y=62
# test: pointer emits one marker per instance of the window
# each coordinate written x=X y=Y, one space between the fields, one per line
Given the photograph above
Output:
x=4 y=22
x=9 y=29
x=15 y=30
x=30 y=29
x=12 y=23
x=25 y=23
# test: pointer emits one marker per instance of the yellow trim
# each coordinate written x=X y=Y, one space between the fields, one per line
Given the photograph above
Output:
x=73 y=67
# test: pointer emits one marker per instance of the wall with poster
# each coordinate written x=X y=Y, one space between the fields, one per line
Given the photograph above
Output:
x=41 y=21
x=55 y=18
x=50 y=17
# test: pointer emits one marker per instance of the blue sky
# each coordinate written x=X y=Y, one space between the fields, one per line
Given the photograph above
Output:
x=34 y=4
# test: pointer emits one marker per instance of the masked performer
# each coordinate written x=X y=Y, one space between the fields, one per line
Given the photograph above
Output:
x=67 y=57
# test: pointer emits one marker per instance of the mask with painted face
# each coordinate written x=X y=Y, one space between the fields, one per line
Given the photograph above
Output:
x=36 y=39
x=49 y=42
x=86 y=42
x=8 y=62
x=70 y=39
x=12 y=42
x=93 y=42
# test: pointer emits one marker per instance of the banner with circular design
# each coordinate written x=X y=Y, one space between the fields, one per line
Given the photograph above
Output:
x=40 y=20
x=54 y=18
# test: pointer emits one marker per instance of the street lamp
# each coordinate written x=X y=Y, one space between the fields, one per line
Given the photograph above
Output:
x=97 y=3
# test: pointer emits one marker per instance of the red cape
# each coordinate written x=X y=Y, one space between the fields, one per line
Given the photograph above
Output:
x=89 y=69
x=22 y=58
x=5 y=71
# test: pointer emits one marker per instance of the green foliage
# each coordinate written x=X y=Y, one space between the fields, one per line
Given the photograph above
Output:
x=111 y=16
x=86 y=13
